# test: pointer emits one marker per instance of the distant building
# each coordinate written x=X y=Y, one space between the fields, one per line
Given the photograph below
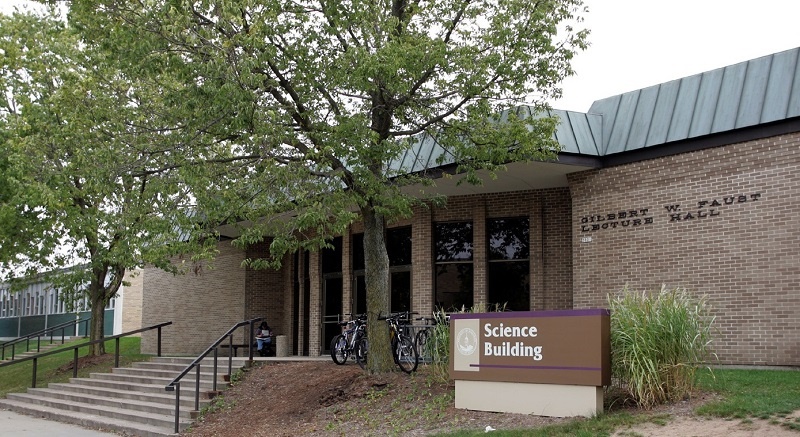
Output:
x=692 y=183
x=40 y=305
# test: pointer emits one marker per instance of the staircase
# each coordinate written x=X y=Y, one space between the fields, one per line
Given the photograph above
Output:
x=44 y=347
x=130 y=400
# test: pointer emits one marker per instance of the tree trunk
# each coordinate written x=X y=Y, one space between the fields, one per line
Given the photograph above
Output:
x=376 y=259
x=97 y=298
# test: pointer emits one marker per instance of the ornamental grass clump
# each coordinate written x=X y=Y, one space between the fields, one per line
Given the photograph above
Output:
x=658 y=341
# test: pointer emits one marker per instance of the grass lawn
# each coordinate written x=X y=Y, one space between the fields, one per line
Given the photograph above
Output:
x=763 y=394
x=17 y=378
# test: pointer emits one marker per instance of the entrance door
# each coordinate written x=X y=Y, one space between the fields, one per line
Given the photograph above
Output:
x=332 y=310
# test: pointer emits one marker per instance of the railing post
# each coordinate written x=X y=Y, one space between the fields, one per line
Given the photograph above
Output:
x=33 y=382
x=230 y=355
x=75 y=364
x=177 y=406
x=216 y=353
x=159 y=344
x=62 y=334
x=197 y=389
x=250 y=342
x=38 y=343
x=116 y=352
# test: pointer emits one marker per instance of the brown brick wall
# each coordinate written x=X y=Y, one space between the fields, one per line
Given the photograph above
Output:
x=742 y=251
x=202 y=304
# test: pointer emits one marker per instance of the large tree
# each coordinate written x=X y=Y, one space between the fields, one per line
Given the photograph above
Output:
x=315 y=99
x=85 y=179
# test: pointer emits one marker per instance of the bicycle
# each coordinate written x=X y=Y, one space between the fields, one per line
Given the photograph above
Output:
x=345 y=344
x=403 y=350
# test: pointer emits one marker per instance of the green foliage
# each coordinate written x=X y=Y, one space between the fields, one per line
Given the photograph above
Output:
x=658 y=340
x=302 y=112
x=89 y=170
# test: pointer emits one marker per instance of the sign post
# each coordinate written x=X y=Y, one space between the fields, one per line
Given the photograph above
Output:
x=548 y=363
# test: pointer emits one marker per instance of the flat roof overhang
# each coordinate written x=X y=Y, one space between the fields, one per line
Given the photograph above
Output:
x=518 y=176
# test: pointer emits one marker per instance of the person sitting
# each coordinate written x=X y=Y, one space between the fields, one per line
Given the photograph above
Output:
x=263 y=338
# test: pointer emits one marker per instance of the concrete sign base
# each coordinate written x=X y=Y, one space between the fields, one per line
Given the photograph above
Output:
x=552 y=400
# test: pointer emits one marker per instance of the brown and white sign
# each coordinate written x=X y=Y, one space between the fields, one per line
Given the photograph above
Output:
x=569 y=347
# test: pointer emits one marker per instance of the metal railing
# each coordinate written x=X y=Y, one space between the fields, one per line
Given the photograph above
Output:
x=75 y=348
x=39 y=334
x=175 y=384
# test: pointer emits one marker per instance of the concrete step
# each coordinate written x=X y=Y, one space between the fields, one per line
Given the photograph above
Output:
x=206 y=373
x=130 y=400
x=59 y=397
x=205 y=366
x=159 y=396
x=43 y=348
x=95 y=421
x=163 y=381
x=114 y=411
x=118 y=384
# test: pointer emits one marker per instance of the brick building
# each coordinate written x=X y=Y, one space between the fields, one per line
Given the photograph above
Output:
x=690 y=183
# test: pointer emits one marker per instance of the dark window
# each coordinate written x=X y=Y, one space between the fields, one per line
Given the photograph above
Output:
x=508 y=239
x=360 y=298
x=332 y=257
x=454 y=286
x=509 y=263
x=454 y=269
x=400 y=285
x=358 y=252
x=453 y=241
x=398 y=246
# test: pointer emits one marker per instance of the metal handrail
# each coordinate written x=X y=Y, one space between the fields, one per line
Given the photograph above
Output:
x=175 y=384
x=75 y=348
x=39 y=334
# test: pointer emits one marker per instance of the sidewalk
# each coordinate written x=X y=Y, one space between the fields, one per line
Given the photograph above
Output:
x=15 y=424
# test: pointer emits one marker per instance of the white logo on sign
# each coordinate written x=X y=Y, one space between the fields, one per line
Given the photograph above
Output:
x=467 y=341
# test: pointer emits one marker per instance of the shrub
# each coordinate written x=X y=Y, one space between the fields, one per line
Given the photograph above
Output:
x=658 y=340
x=439 y=347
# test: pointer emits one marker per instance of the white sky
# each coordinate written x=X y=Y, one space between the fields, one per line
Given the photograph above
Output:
x=638 y=43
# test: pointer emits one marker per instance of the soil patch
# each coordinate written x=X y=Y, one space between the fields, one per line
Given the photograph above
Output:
x=323 y=399
x=87 y=361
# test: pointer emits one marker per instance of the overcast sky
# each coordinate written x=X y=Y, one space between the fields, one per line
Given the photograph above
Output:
x=638 y=43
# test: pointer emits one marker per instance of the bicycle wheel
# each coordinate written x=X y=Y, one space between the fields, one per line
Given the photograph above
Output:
x=361 y=352
x=421 y=342
x=406 y=355
x=339 y=349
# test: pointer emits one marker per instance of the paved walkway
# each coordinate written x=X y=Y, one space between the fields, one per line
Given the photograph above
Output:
x=15 y=424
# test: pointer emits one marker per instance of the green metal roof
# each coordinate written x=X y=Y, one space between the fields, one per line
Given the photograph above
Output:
x=746 y=94
x=750 y=93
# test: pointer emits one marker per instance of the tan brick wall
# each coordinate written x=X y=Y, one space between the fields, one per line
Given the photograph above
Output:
x=132 y=302
x=742 y=251
x=202 y=304
x=268 y=292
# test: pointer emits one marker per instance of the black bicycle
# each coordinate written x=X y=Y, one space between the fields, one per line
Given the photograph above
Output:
x=403 y=350
x=346 y=344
